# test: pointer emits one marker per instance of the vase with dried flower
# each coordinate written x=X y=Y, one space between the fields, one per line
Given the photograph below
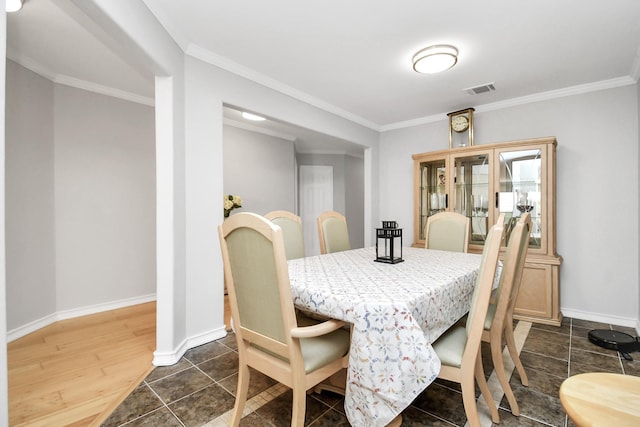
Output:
x=231 y=202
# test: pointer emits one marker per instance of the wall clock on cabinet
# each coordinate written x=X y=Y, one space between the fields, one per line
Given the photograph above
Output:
x=461 y=128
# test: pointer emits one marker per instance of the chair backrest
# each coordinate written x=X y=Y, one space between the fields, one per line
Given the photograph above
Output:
x=291 y=225
x=512 y=268
x=482 y=293
x=447 y=231
x=333 y=232
x=257 y=278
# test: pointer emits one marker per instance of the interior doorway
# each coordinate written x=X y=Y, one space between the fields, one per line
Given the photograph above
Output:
x=316 y=196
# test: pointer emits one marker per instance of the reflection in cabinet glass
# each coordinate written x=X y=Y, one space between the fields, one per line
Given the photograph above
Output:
x=483 y=181
x=433 y=194
x=471 y=193
x=520 y=190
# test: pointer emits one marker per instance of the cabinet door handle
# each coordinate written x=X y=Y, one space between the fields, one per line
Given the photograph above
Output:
x=446 y=201
x=497 y=201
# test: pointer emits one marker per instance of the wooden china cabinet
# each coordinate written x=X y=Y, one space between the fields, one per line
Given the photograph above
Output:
x=484 y=181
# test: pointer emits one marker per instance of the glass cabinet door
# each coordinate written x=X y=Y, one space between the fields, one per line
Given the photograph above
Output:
x=484 y=181
x=520 y=190
x=471 y=193
x=433 y=190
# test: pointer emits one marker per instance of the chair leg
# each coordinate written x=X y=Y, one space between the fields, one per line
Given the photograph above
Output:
x=299 y=404
x=469 y=401
x=498 y=365
x=241 y=394
x=484 y=389
x=511 y=345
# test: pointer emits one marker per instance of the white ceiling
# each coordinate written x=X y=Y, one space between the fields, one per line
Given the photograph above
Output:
x=353 y=57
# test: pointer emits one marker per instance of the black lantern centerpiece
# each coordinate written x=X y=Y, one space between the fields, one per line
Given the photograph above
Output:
x=386 y=238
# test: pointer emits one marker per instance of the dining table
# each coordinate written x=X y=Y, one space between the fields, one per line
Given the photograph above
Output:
x=396 y=311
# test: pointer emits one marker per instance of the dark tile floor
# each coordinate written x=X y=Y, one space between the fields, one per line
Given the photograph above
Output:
x=199 y=390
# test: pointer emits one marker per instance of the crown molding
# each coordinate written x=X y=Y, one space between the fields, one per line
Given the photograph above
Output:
x=257 y=129
x=235 y=68
x=329 y=153
x=62 y=79
x=529 y=99
x=104 y=90
x=414 y=122
x=226 y=64
x=298 y=149
x=559 y=93
x=178 y=36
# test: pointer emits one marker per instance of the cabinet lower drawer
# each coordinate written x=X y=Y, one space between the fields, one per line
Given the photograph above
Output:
x=538 y=298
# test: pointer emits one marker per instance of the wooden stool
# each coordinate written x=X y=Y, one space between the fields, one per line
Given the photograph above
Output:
x=602 y=399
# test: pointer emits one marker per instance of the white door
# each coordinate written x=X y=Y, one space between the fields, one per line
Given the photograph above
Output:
x=316 y=196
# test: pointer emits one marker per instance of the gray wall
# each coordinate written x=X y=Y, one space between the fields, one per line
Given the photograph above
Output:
x=354 y=199
x=30 y=244
x=80 y=199
x=597 y=189
x=596 y=156
x=208 y=88
x=104 y=200
x=260 y=169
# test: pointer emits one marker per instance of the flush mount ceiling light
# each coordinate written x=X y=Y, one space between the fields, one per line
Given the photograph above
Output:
x=435 y=59
x=13 y=5
x=253 y=117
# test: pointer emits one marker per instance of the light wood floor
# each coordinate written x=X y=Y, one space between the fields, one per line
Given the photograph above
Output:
x=75 y=372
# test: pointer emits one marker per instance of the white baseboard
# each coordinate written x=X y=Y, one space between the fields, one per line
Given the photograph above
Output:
x=23 y=330
x=168 y=358
x=602 y=318
x=171 y=358
x=159 y=358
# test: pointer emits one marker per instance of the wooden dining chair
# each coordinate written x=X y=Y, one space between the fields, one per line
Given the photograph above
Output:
x=447 y=231
x=499 y=321
x=298 y=352
x=333 y=232
x=459 y=347
x=291 y=225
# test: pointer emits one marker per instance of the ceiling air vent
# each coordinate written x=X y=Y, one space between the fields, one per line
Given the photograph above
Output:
x=488 y=87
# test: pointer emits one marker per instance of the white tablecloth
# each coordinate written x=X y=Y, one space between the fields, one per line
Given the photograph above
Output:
x=397 y=311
